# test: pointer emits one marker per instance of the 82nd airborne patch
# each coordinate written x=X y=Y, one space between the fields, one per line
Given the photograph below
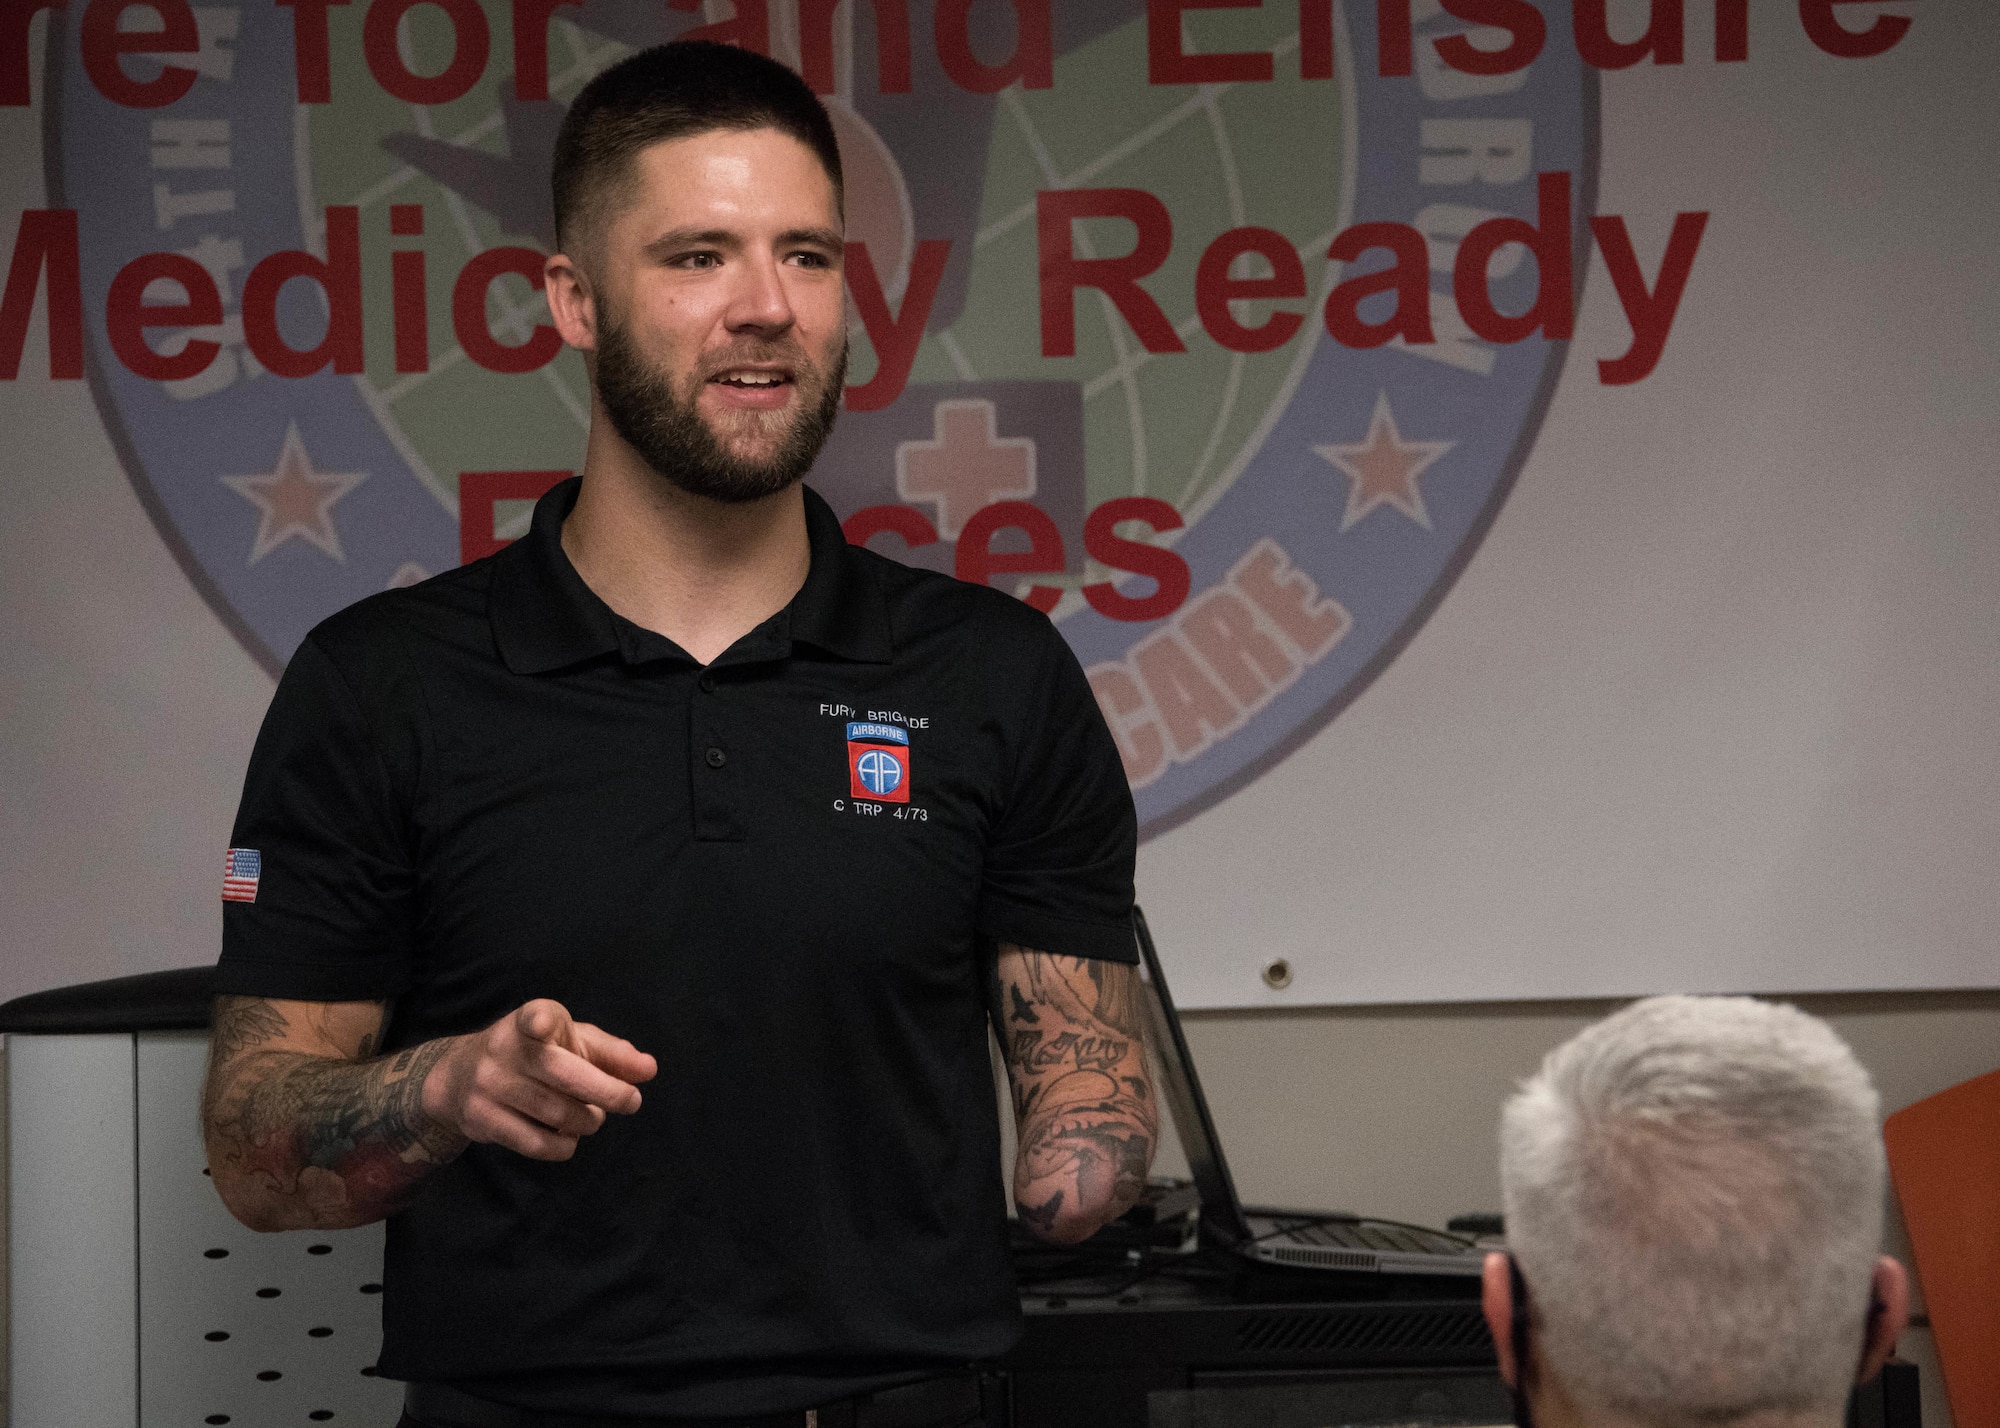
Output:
x=878 y=762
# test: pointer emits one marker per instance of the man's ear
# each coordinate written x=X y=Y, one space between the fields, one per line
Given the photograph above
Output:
x=1496 y=1298
x=1888 y=1316
x=572 y=302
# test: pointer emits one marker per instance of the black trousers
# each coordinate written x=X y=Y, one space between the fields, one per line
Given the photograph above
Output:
x=946 y=1401
x=406 y=1421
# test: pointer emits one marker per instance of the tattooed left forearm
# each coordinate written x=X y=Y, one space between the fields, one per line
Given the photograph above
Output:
x=1069 y=1048
x=1083 y=1104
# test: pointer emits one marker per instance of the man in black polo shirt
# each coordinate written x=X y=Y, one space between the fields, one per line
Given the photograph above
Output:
x=683 y=792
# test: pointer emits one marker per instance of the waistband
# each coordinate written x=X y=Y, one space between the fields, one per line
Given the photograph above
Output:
x=944 y=1401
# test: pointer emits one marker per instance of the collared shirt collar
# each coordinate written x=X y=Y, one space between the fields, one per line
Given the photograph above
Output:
x=546 y=617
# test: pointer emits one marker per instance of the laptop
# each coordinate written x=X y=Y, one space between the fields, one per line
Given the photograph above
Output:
x=1298 y=1240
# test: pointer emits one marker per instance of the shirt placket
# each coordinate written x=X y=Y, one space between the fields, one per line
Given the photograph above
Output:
x=715 y=766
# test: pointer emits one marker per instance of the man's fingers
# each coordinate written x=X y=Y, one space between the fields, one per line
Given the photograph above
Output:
x=545 y=1021
x=497 y=1125
x=553 y=1109
x=614 y=1054
x=578 y=1079
x=577 y=1061
x=550 y=1023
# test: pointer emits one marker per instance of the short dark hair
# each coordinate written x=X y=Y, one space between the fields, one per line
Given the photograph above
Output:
x=674 y=91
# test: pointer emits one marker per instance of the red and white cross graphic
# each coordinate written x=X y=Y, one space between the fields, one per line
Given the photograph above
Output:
x=967 y=466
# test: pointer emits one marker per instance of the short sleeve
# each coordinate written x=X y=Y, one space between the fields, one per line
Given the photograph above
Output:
x=331 y=914
x=1059 y=868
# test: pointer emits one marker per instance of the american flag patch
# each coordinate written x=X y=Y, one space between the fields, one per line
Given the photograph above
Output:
x=241 y=867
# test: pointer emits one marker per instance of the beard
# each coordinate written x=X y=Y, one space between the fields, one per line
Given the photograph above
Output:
x=671 y=436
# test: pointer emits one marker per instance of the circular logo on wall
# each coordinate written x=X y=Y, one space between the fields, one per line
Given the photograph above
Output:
x=1101 y=346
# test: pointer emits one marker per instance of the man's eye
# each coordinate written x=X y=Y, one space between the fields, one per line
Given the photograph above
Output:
x=811 y=259
x=698 y=260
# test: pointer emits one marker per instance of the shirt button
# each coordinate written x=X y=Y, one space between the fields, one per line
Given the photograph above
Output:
x=707 y=683
x=716 y=758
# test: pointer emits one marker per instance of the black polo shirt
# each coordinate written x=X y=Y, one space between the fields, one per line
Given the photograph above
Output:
x=776 y=874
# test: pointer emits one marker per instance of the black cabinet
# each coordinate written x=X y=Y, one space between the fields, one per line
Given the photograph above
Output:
x=1205 y=1345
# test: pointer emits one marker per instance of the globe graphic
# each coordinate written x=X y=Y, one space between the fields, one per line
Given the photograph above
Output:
x=457 y=416
x=1174 y=426
x=1219 y=157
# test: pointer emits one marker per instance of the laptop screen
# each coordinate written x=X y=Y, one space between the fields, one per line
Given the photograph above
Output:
x=1185 y=1102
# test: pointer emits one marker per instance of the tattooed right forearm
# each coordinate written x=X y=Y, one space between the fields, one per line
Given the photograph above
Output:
x=298 y=1139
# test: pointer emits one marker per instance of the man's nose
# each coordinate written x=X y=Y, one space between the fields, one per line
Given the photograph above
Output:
x=760 y=302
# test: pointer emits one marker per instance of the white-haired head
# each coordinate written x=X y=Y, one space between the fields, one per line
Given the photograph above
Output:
x=1694 y=1192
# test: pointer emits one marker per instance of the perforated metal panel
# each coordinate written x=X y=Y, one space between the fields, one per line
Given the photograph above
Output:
x=1431 y=1401
x=255 y=1331
x=1322 y=1258
x=1379 y=1329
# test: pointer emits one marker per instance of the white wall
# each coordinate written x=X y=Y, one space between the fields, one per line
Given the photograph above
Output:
x=1717 y=706
x=128 y=709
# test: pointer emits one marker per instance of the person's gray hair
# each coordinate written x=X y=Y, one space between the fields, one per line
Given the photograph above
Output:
x=1694 y=1191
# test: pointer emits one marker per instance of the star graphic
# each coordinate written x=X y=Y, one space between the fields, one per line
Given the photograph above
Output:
x=295 y=500
x=1382 y=468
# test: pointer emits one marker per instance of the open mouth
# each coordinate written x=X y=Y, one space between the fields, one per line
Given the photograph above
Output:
x=752 y=380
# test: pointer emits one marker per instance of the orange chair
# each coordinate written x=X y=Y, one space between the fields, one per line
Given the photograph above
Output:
x=1944 y=1153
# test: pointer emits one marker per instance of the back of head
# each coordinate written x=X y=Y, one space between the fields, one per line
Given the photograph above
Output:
x=672 y=91
x=1694 y=1191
